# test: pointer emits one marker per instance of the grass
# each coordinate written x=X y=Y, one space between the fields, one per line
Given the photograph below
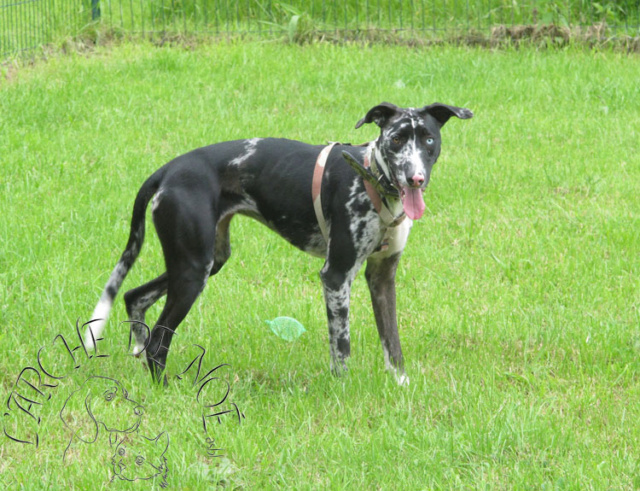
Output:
x=518 y=291
x=439 y=15
x=261 y=16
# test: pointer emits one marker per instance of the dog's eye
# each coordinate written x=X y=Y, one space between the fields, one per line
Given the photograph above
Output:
x=139 y=460
x=109 y=396
x=396 y=140
x=121 y=451
x=430 y=141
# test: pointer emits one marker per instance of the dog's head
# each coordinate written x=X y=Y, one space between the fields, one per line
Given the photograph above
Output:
x=100 y=401
x=137 y=457
x=408 y=147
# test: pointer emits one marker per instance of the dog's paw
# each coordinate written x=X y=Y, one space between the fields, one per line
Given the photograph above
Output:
x=402 y=379
x=339 y=368
x=138 y=350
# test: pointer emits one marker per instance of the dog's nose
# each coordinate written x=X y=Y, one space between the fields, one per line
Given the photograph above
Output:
x=417 y=180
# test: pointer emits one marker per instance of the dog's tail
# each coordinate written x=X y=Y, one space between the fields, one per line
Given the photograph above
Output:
x=128 y=257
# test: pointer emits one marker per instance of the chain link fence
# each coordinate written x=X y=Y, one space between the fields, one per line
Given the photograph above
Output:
x=28 y=24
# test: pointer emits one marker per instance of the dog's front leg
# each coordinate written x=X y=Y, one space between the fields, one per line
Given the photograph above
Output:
x=337 y=292
x=380 y=274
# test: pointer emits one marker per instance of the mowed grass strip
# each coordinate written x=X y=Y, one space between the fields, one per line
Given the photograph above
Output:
x=518 y=293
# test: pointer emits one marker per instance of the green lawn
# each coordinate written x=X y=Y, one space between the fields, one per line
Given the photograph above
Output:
x=519 y=298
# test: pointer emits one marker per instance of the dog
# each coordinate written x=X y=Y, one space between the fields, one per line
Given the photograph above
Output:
x=104 y=404
x=139 y=458
x=346 y=204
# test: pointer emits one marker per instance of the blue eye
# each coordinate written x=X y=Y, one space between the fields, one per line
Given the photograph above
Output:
x=430 y=141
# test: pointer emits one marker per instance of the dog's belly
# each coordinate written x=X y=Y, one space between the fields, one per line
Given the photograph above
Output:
x=303 y=236
x=316 y=246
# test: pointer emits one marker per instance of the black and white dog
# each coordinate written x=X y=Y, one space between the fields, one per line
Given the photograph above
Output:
x=344 y=203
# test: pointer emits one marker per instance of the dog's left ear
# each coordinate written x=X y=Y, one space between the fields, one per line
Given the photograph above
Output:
x=442 y=112
x=379 y=114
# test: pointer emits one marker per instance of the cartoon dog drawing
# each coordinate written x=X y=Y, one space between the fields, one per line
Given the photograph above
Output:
x=137 y=457
x=101 y=403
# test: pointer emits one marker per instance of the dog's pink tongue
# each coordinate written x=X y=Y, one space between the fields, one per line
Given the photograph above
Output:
x=413 y=203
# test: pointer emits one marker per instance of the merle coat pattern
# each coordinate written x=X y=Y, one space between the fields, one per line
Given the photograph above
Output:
x=196 y=195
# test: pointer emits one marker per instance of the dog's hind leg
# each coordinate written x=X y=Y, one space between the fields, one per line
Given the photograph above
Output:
x=222 y=252
x=380 y=274
x=184 y=288
x=128 y=257
x=186 y=230
x=138 y=300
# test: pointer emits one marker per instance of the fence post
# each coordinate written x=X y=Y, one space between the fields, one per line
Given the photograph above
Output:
x=95 y=9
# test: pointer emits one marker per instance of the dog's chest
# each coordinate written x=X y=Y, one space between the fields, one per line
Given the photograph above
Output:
x=372 y=236
x=366 y=229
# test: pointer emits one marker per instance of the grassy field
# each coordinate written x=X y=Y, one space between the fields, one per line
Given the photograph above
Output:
x=519 y=298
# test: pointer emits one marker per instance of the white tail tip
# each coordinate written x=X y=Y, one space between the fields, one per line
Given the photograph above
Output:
x=99 y=318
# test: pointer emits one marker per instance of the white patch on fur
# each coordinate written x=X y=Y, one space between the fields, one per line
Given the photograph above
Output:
x=396 y=239
x=380 y=162
x=387 y=358
x=249 y=150
x=401 y=377
x=156 y=200
x=410 y=158
x=105 y=303
x=138 y=348
x=394 y=205
x=101 y=312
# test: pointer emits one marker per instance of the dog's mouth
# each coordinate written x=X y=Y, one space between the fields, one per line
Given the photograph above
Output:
x=412 y=202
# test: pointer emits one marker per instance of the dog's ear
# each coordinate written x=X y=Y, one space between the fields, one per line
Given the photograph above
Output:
x=442 y=112
x=379 y=114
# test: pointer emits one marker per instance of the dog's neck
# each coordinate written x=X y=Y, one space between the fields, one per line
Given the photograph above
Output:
x=391 y=210
x=380 y=171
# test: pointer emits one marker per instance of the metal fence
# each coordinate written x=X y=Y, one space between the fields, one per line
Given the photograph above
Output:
x=27 y=24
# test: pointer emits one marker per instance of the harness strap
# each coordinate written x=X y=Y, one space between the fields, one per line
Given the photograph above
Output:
x=383 y=211
x=385 y=214
x=318 y=172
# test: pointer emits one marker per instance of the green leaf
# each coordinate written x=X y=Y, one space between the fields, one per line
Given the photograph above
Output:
x=286 y=328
